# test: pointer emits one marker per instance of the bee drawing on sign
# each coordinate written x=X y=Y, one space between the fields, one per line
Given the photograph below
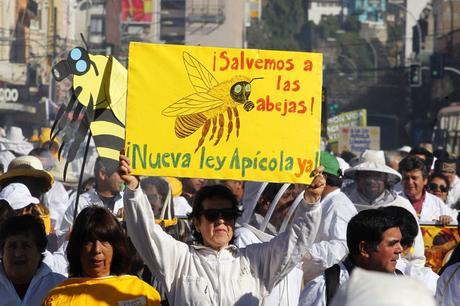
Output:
x=209 y=104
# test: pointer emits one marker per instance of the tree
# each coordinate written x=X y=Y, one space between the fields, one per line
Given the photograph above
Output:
x=280 y=27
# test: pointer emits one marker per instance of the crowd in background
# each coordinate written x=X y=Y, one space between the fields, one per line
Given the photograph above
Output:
x=191 y=241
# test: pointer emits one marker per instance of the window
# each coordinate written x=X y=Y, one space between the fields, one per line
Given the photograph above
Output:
x=97 y=25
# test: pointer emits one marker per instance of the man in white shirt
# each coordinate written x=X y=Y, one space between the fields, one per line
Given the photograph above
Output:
x=107 y=193
x=427 y=206
x=374 y=241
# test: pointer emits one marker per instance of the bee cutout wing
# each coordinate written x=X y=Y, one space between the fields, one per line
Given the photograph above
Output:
x=115 y=86
x=200 y=77
x=107 y=86
x=192 y=104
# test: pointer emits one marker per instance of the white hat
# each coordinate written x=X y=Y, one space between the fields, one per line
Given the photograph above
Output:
x=382 y=289
x=377 y=156
x=15 y=141
x=393 y=176
x=406 y=149
x=18 y=196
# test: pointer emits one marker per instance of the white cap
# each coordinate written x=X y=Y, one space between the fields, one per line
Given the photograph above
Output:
x=18 y=196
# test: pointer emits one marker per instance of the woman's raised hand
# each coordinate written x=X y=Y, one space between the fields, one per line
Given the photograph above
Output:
x=131 y=181
x=315 y=189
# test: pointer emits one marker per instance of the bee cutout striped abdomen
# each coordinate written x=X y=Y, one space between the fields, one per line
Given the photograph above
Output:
x=108 y=145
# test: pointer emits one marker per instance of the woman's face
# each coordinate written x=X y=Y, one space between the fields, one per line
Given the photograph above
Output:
x=216 y=222
x=21 y=258
x=154 y=198
x=438 y=187
x=96 y=258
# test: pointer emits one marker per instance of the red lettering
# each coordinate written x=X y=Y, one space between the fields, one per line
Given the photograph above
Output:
x=259 y=63
x=223 y=55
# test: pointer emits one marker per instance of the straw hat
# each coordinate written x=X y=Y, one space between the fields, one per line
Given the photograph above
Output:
x=29 y=166
x=15 y=141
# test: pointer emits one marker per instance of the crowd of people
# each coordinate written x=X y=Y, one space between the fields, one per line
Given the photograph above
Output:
x=189 y=241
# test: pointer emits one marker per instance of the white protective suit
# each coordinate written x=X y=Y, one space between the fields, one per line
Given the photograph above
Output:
x=42 y=282
x=448 y=289
x=330 y=245
x=198 y=275
x=287 y=292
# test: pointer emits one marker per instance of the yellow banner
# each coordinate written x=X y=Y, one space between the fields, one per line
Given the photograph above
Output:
x=440 y=242
x=223 y=113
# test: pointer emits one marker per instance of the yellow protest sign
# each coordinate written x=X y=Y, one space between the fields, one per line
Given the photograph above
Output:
x=223 y=113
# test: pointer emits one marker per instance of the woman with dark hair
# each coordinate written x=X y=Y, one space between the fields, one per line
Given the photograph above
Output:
x=215 y=272
x=98 y=259
x=24 y=278
x=438 y=185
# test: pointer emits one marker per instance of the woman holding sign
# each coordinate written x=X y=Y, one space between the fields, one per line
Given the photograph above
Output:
x=215 y=272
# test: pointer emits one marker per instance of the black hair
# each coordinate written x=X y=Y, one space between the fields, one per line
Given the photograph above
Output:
x=28 y=225
x=220 y=192
x=411 y=163
x=6 y=211
x=407 y=224
x=441 y=154
x=333 y=180
x=368 y=226
x=99 y=165
x=161 y=185
x=422 y=151
x=97 y=223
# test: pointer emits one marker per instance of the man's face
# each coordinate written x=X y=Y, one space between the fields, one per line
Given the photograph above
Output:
x=371 y=183
x=114 y=182
x=413 y=184
x=387 y=253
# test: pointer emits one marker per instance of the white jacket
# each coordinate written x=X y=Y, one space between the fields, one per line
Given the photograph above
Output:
x=314 y=292
x=287 y=292
x=433 y=207
x=454 y=193
x=198 y=275
x=447 y=291
x=330 y=245
x=42 y=282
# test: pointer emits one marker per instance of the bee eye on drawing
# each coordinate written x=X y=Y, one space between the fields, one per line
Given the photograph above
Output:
x=247 y=88
x=75 y=54
x=237 y=88
x=81 y=66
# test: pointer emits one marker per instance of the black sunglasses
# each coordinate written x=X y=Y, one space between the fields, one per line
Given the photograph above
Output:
x=212 y=215
x=434 y=187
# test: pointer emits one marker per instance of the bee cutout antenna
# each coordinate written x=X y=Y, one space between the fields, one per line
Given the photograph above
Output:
x=87 y=49
x=84 y=41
